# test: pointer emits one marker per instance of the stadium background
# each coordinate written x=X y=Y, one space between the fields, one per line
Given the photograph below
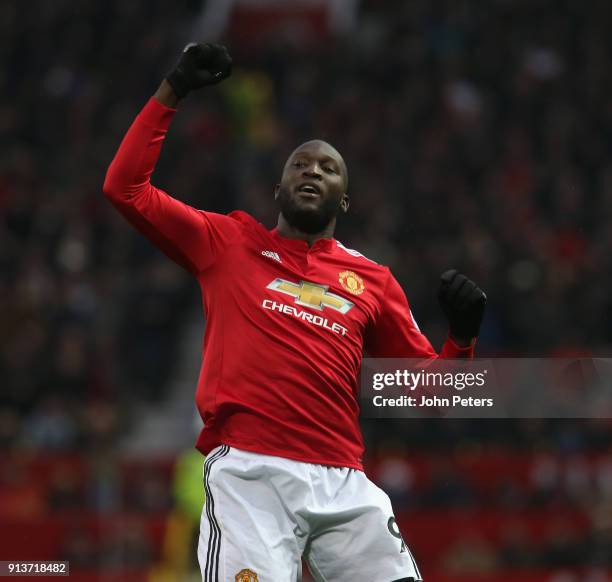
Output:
x=477 y=135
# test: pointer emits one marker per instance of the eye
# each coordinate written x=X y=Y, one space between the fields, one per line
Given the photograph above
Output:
x=298 y=164
x=330 y=170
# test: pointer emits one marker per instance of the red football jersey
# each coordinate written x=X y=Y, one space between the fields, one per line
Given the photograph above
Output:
x=286 y=324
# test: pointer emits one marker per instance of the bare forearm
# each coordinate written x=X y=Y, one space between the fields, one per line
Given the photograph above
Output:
x=166 y=95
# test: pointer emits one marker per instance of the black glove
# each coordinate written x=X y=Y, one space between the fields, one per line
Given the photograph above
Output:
x=463 y=303
x=198 y=66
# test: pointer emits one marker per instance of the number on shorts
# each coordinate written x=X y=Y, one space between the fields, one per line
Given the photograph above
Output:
x=395 y=532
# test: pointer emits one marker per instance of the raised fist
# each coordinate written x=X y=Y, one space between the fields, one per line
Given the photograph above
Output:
x=198 y=66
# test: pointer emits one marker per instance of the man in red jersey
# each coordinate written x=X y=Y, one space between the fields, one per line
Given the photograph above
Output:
x=289 y=313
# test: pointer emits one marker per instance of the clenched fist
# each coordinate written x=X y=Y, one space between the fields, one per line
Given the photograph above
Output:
x=198 y=66
x=463 y=302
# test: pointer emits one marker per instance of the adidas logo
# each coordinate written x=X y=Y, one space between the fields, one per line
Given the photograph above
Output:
x=271 y=255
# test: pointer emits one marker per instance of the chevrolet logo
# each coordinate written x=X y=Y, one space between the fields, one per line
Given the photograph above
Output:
x=312 y=295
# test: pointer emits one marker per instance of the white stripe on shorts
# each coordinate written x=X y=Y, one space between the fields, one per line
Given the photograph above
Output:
x=211 y=570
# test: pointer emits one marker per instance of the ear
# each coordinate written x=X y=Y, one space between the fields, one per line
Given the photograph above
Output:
x=345 y=202
x=276 y=191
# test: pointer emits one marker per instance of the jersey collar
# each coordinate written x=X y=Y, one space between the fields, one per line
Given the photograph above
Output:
x=322 y=244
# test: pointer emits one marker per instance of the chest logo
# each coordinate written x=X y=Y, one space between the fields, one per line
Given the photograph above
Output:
x=351 y=282
x=272 y=255
x=312 y=295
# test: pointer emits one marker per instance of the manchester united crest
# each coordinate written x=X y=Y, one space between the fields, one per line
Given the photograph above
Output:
x=351 y=282
x=246 y=575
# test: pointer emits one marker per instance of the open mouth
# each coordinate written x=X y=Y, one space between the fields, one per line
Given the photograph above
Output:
x=309 y=190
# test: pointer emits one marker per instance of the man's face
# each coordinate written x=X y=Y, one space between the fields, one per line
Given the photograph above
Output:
x=313 y=187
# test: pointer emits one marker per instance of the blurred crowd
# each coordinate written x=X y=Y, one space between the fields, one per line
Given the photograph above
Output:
x=89 y=313
x=474 y=136
x=477 y=136
x=464 y=511
x=507 y=511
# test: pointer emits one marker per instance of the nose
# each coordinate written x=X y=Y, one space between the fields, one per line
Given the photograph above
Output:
x=313 y=171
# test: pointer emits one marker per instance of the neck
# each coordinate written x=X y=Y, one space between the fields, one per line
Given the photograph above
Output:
x=289 y=231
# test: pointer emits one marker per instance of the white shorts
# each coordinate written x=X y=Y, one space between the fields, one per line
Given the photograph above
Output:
x=263 y=514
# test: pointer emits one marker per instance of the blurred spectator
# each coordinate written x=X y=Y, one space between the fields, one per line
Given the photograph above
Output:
x=128 y=547
x=598 y=542
x=79 y=548
x=148 y=491
x=104 y=483
x=447 y=488
x=64 y=490
x=471 y=555
x=50 y=426
x=21 y=496
x=396 y=477
x=10 y=427
x=516 y=549
x=100 y=424
x=562 y=546
x=509 y=494
x=544 y=481
x=179 y=551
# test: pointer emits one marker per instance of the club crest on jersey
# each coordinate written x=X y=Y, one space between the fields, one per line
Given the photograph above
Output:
x=312 y=295
x=246 y=575
x=351 y=282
